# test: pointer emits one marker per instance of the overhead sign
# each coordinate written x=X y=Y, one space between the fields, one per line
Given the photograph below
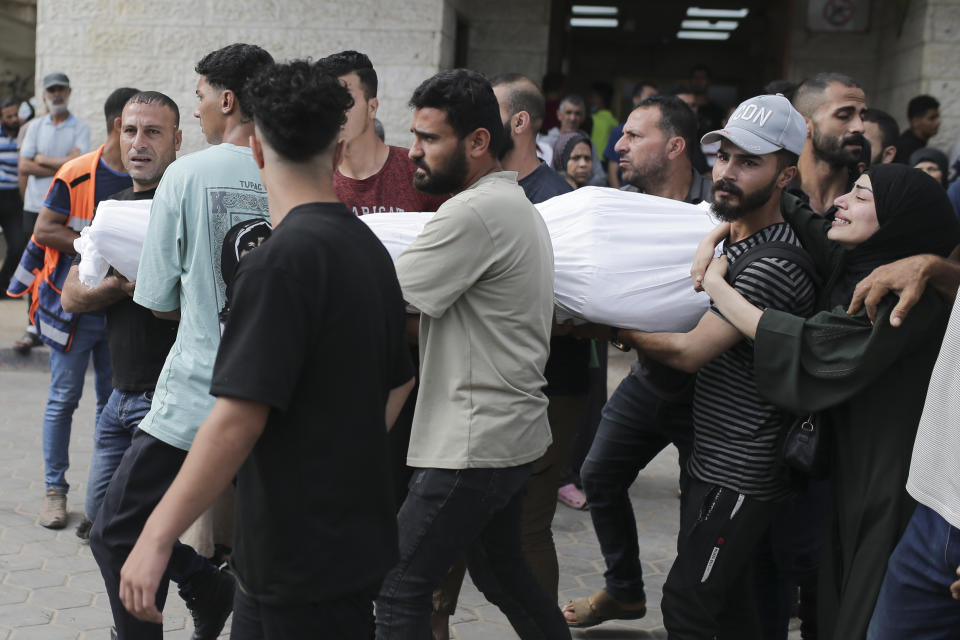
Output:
x=838 y=15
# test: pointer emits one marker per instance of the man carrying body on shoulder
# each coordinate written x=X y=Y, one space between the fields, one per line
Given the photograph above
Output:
x=481 y=273
x=880 y=130
x=651 y=408
x=78 y=186
x=204 y=198
x=372 y=177
x=923 y=113
x=522 y=112
x=832 y=105
x=139 y=341
x=48 y=143
x=287 y=424
x=733 y=489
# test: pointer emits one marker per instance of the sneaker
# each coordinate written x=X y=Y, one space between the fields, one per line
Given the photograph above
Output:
x=53 y=514
x=209 y=598
x=83 y=529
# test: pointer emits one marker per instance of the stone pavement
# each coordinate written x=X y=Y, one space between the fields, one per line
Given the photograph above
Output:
x=50 y=588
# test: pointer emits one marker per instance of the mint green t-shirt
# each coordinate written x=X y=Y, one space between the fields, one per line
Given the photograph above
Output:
x=200 y=198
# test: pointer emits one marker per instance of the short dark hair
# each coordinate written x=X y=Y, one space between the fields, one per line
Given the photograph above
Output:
x=919 y=105
x=805 y=97
x=231 y=66
x=524 y=95
x=786 y=88
x=676 y=118
x=155 y=97
x=604 y=90
x=785 y=158
x=340 y=64
x=113 y=106
x=889 y=129
x=639 y=87
x=468 y=101
x=9 y=102
x=700 y=67
x=298 y=107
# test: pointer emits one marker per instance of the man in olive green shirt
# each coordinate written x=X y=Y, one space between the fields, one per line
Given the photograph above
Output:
x=481 y=273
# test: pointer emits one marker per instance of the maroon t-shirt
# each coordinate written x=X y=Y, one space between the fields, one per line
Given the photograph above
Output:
x=390 y=189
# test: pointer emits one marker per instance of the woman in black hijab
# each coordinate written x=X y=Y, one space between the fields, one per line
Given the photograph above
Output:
x=931 y=161
x=868 y=381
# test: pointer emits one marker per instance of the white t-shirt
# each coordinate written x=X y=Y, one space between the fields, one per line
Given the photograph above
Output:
x=934 y=479
x=481 y=272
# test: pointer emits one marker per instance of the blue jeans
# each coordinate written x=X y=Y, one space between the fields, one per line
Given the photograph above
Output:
x=635 y=426
x=473 y=512
x=67 y=370
x=115 y=427
x=915 y=600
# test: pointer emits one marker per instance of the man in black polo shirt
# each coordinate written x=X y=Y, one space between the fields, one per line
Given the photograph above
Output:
x=149 y=140
x=299 y=408
x=650 y=409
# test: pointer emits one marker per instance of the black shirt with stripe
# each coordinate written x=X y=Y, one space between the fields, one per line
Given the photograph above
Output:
x=735 y=430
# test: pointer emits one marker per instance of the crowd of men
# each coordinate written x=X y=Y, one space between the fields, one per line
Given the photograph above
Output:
x=445 y=426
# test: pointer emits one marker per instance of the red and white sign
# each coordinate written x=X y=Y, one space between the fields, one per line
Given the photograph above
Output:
x=838 y=15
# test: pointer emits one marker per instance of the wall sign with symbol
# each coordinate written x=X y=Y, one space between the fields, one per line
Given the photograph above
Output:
x=838 y=15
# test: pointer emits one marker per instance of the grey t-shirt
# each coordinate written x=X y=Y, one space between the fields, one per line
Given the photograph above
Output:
x=481 y=272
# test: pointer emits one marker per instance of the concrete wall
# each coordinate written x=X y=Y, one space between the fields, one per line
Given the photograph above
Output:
x=18 y=20
x=910 y=48
x=504 y=35
x=104 y=44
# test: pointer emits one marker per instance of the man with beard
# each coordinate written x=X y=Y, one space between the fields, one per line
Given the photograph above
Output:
x=372 y=177
x=481 y=273
x=881 y=131
x=48 y=143
x=732 y=488
x=11 y=207
x=832 y=105
x=650 y=409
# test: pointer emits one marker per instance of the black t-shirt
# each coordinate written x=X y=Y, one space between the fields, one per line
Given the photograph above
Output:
x=139 y=341
x=315 y=331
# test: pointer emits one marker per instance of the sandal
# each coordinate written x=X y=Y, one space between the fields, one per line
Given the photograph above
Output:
x=601 y=607
x=569 y=495
x=26 y=343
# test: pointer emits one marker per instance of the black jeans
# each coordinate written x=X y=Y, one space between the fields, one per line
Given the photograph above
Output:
x=636 y=425
x=11 y=220
x=475 y=513
x=709 y=592
x=347 y=618
x=145 y=473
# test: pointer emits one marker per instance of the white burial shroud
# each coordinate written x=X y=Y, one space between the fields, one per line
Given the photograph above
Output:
x=620 y=258
x=115 y=239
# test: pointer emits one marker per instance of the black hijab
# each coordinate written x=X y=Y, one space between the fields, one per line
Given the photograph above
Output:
x=915 y=217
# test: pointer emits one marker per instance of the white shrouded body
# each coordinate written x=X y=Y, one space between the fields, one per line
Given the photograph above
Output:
x=620 y=258
x=115 y=239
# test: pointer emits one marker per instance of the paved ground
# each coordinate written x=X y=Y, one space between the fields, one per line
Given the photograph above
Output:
x=50 y=587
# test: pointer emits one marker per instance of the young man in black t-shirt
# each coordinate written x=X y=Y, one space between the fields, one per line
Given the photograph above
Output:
x=301 y=407
x=139 y=341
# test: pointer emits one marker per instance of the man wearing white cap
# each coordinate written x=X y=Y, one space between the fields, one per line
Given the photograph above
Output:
x=732 y=489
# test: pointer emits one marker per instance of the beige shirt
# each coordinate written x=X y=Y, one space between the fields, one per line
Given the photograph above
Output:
x=481 y=272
